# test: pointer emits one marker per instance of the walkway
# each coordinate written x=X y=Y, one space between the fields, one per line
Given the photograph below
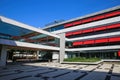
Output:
x=56 y=71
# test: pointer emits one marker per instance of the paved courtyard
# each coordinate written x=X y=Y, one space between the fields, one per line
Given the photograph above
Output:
x=56 y=71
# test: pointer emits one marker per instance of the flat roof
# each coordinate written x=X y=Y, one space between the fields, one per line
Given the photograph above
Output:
x=67 y=21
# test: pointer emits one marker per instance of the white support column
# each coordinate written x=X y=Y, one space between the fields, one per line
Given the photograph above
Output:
x=62 y=47
x=37 y=55
x=3 y=56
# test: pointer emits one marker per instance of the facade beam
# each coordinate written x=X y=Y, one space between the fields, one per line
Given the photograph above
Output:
x=96 y=36
x=89 y=25
x=95 y=48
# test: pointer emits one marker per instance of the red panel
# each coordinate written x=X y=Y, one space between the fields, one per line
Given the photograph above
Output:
x=104 y=40
x=80 y=43
x=68 y=25
x=77 y=22
x=89 y=42
x=17 y=37
x=68 y=34
x=114 y=39
x=94 y=29
x=113 y=26
x=98 y=17
x=29 y=40
x=86 y=20
x=88 y=30
x=74 y=33
x=112 y=14
x=74 y=44
x=100 y=28
x=77 y=32
x=119 y=53
x=77 y=43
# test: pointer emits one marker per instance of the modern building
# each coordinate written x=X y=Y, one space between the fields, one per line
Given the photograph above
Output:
x=93 y=35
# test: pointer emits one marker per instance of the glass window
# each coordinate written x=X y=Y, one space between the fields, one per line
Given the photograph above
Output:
x=12 y=32
x=56 y=28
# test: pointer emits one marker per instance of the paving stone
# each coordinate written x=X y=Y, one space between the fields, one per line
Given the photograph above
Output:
x=56 y=73
x=88 y=68
x=95 y=76
x=34 y=69
x=24 y=74
x=31 y=78
x=17 y=68
x=116 y=70
x=106 y=66
x=8 y=73
x=115 y=78
x=69 y=76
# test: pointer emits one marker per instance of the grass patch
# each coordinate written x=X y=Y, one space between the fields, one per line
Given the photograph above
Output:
x=82 y=59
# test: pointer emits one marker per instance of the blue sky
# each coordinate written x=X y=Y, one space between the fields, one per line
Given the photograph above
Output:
x=37 y=13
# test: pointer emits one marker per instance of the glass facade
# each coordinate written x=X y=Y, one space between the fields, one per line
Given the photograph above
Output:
x=95 y=54
x=12 y=32
x=55 y=28
x=17 y=53
x=45 y=55
x=68 y=44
